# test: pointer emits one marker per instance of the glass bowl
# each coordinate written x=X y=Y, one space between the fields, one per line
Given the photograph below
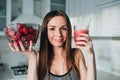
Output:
x=22 y=32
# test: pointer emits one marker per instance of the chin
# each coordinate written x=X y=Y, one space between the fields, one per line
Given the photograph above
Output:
x=58 y=45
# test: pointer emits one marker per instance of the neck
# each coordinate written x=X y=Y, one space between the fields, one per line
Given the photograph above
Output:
x=59 y=52
x=60 y=56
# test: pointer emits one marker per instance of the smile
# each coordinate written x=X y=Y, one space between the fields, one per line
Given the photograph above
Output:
x=58 y=40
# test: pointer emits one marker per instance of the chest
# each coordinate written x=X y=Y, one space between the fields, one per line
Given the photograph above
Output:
x=58 y=68
x=70 y=75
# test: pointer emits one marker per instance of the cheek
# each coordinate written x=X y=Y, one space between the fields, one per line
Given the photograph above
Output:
x=65 y=34
x=49 y=35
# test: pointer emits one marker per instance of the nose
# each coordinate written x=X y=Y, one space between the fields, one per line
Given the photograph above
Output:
x=58 y=33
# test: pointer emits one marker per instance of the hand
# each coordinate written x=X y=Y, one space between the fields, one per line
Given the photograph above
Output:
x=19 y=47
x=85 y=42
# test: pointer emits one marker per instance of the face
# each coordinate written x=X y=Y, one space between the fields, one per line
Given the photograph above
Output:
x=57 y=31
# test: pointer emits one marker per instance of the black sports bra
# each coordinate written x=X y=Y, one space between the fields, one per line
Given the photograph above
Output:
x=70 y=75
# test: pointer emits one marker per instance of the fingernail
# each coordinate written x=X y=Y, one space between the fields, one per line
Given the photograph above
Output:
x=31 y=42
x=15 y=43
x=20 y=42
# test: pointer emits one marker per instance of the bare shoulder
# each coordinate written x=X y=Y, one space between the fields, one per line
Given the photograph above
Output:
x=77 y=53
x=78 y=56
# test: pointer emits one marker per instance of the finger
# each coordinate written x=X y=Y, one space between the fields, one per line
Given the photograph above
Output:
x=82 y=39
x=81 y=43
x=90 y=43
x=31 y=46
x=21 y=46
x=11 y=46
x=88 y=38
x=16 y=46
x=84 y=34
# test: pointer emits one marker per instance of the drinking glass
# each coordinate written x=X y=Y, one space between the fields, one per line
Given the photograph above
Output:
x=77 y=33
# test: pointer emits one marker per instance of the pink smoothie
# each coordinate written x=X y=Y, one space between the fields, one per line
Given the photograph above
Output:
x=78 y=32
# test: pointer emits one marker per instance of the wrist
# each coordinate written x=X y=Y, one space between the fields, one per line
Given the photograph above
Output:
x=91 y=57
x=91 y=51
x=32 y=54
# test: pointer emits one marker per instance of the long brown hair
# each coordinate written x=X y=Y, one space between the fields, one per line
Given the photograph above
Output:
x=46 y=51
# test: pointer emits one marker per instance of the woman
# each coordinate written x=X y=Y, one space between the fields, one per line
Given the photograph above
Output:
x=56 y=60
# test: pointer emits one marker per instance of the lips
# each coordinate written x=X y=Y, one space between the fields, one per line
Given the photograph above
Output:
x=58 y=40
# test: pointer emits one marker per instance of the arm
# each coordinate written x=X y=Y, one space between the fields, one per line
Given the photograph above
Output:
x=33 y=67
x=86 y=72
x=33 y=57
x=89 y=72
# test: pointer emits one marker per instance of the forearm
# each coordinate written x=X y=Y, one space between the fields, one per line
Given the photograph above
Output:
x=91 y=69
x=32 y=69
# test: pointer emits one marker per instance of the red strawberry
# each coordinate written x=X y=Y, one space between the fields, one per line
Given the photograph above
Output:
x=31 y=30
x=30 y=37
x=23 y=38
x=6 y=32
x=10 y=31
x=21 y=30
x=21 y=34
x=16 y=37
x=18 y=34
x=25 y=30
x=20 y=26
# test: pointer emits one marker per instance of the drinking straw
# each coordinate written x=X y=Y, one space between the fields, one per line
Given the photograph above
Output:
x=74 y=27
x=91 y=20
x=89 y=23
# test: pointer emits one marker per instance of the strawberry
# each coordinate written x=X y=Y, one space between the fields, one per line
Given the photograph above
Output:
x=7 y=32
x=11 y=33
x=20 y=33
x=31 y=30
x=25 y=30
x=30 y=37
x=23 y=38
x=16 y=37
x=20 y=26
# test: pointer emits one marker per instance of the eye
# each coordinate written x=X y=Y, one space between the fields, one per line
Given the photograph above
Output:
x=51 y=28
x=64 y=28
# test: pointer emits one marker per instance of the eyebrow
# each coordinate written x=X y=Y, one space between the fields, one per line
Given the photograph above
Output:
x=51 y=26
x=55 y=26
